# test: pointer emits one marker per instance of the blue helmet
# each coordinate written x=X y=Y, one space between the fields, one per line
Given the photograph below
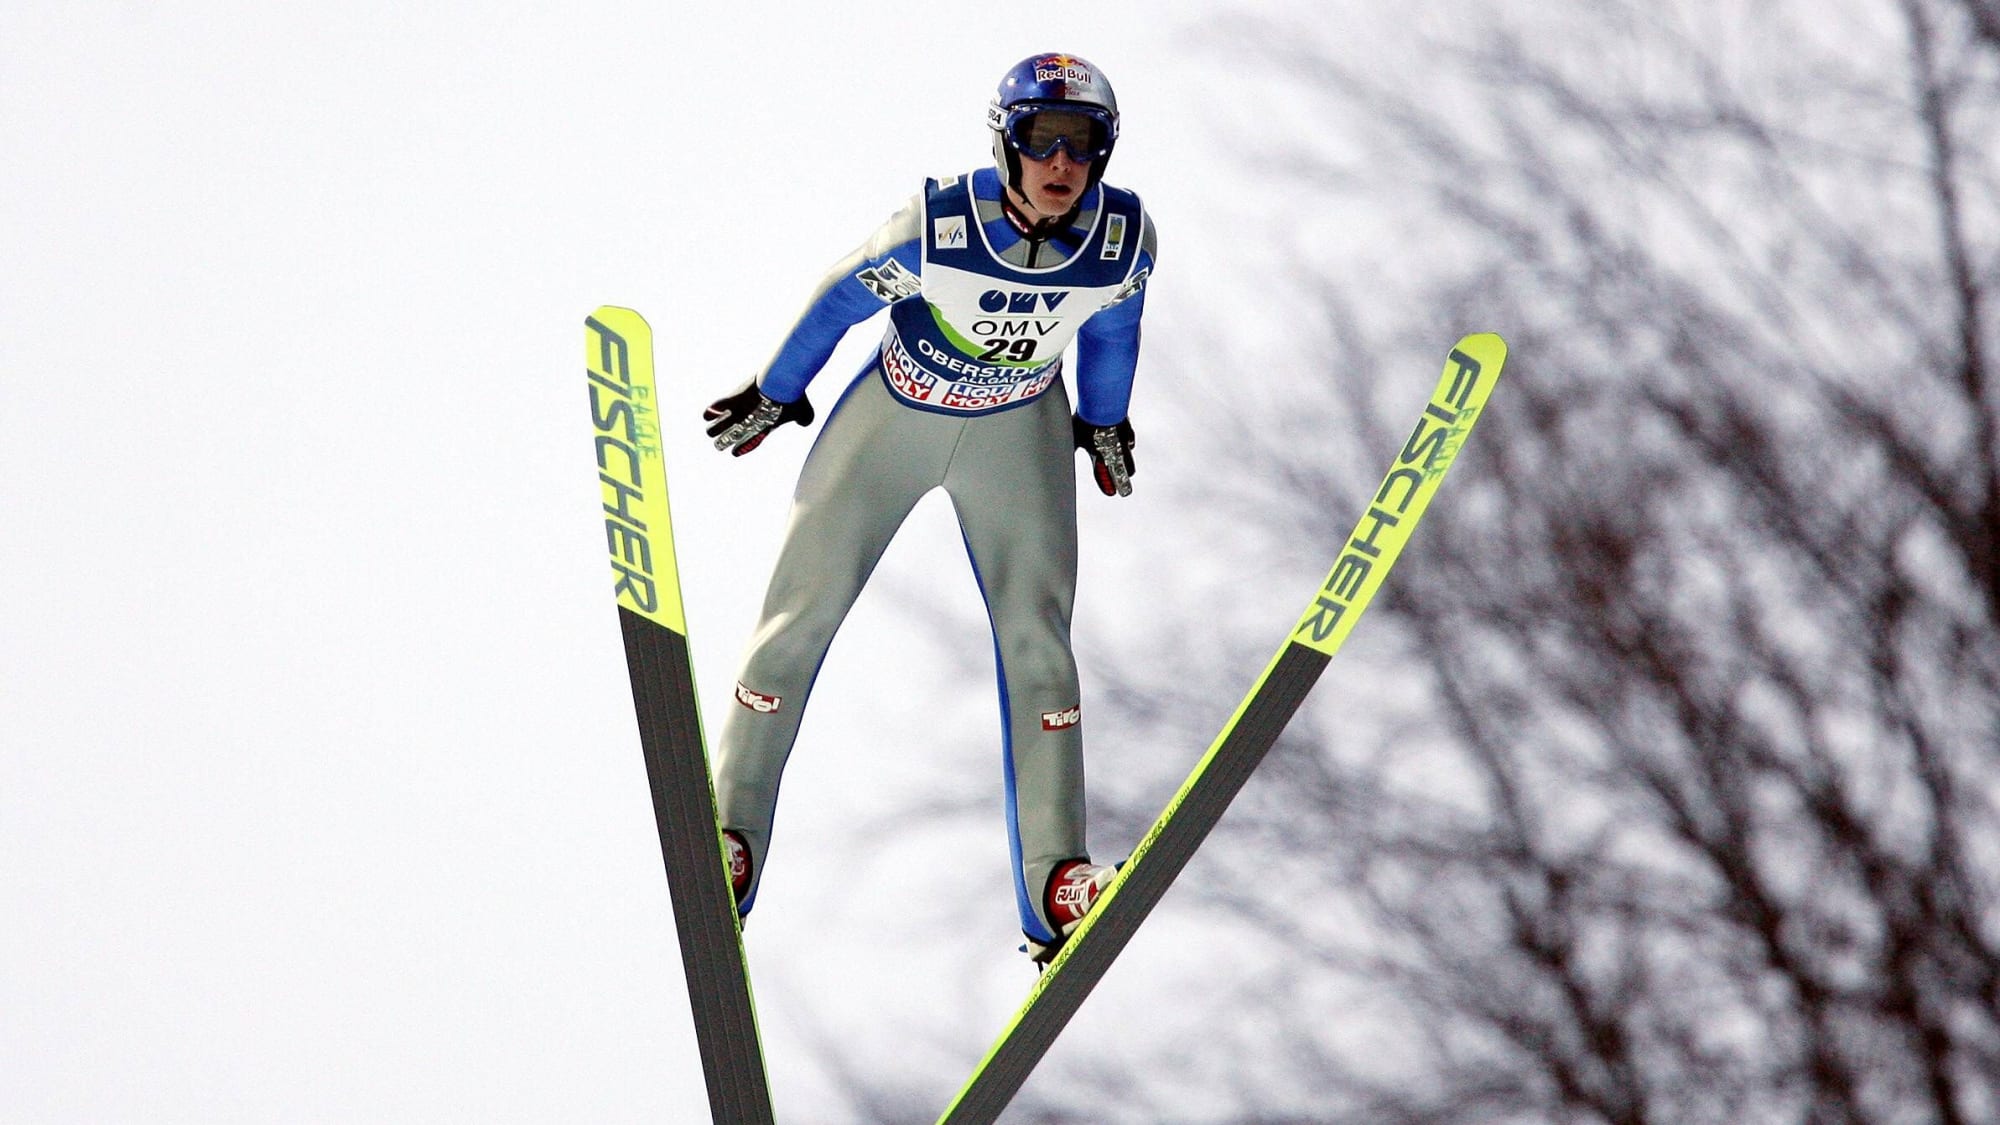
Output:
x=1052 y=101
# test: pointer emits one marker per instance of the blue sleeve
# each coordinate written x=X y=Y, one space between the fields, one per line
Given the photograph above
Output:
x=883 y=270
x=1107 y=353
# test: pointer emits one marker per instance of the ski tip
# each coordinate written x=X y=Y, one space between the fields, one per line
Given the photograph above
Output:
x=1480 y=354
x=1485 y=343
x=624 y=406
x=618 y=315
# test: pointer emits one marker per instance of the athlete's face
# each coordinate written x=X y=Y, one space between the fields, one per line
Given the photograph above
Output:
x=1053 y=185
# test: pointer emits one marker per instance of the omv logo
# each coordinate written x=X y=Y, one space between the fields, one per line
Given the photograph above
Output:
x=998 y=301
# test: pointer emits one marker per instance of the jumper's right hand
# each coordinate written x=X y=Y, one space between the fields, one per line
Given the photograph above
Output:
x=739 y=422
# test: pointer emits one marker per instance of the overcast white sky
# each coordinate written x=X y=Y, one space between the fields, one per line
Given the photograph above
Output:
x=319 y=792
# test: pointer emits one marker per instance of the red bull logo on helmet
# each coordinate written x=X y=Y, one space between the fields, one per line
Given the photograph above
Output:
x=1062 y=68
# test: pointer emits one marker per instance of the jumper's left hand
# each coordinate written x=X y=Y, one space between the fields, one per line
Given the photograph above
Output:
x=1110 y=449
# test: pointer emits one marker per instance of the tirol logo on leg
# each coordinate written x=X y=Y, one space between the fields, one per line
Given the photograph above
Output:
x=1062 y=720
x=757 y=701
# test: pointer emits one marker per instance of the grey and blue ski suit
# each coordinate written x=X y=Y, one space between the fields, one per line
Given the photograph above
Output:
x=965 y=393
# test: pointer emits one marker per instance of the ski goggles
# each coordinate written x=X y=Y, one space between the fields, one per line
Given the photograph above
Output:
x=1036 y=131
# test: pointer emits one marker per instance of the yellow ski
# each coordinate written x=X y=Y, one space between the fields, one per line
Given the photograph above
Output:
x=1358 y=573
x=639 y=533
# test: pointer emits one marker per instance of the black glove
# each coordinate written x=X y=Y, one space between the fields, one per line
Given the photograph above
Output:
x=1110 y=449
x=740 y=422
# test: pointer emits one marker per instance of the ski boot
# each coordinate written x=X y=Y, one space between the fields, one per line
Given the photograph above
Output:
x=1074 y=887
x=738 y=853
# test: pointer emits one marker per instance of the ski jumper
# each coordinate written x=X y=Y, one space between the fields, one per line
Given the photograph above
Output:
x=965 y=393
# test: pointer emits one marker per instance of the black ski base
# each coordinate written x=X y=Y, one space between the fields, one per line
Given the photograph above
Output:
x=1155 y=864
x=704 y=909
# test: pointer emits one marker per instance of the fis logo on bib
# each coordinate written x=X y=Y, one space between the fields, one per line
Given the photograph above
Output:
x=1062 y=720
x=948 y=233
x=756 y=700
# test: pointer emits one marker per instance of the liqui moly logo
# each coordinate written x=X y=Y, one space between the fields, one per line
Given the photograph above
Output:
x=1062 y=720
x=756 y=700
